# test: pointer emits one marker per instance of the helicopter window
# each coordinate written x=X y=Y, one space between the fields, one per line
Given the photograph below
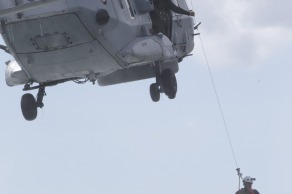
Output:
x=182 y=4
x=121 y=3
x=130 y=8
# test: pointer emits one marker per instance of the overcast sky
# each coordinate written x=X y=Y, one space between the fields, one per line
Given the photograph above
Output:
x=108 y=140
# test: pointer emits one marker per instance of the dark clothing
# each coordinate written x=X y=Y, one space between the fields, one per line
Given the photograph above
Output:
x=162 y=16
x=246 y=191
x=168 y=5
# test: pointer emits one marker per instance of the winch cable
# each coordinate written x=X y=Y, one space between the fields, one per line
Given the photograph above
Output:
x=239 y=174
x=221 y=110
x=216 y=94
x=219 y=102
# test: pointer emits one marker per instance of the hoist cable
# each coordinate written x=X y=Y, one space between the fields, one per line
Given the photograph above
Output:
x=218 y=100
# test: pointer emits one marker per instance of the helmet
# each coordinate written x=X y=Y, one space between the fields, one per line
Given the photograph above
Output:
x=248 y=179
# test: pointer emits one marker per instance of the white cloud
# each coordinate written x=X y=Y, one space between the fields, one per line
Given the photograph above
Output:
x=246 y=33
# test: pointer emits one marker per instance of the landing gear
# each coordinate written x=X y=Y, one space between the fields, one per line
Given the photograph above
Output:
x=29 y=107
x=165 y=83
x=29 y=104
x=154 y=92
x=40 y=97
x=169 y=83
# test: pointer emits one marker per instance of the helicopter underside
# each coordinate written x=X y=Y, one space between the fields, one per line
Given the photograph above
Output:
x=54 y=51
x=60 y=47
x=98 y=41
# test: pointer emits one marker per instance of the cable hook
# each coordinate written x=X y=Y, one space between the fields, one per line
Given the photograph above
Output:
x=239 y=177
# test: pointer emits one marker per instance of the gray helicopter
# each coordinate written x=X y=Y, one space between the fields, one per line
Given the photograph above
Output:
x=103 y=41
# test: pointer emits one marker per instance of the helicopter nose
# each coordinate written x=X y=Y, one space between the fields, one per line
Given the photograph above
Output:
x=102 y=17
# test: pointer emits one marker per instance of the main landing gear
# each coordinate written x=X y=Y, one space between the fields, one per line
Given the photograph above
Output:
x=29 y=104
x=165 y=83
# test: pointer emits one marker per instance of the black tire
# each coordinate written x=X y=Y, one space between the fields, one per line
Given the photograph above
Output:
x=169 y=83
x=29 y=107
x=154 y=92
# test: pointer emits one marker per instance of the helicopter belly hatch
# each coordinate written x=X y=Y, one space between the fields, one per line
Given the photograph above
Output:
x=48 y=49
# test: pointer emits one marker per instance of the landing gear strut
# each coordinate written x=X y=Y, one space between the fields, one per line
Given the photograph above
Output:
x=29 y=104
x=169 y=83
x=165 y=83
x=40 y=97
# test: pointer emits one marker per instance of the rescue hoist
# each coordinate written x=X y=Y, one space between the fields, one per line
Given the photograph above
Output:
x=239 y=174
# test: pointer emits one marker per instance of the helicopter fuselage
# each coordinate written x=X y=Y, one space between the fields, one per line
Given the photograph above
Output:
x=103 y=41
x=75 y=39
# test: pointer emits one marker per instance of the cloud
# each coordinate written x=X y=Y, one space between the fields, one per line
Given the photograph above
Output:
x=243 y=32
x=267 y=13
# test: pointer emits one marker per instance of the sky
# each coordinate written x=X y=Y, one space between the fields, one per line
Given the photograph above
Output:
x=107 y=140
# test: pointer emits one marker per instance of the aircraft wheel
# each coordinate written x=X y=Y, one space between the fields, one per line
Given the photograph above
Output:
x=169 y=83
x=29 y=107
x=154 y=92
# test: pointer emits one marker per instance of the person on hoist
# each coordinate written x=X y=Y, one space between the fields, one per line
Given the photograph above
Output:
x=162 y=17
x=247 y=182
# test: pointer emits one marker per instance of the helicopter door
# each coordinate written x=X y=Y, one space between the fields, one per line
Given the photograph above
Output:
x=162 y=20
x=170 y=21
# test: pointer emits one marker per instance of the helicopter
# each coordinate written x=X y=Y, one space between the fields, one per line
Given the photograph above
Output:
x=99 y=41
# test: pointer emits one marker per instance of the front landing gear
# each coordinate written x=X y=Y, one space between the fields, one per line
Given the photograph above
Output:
x=169 y=83
x=29 y=104
x=155 y=92
x=29 y=107
x=165 y=83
